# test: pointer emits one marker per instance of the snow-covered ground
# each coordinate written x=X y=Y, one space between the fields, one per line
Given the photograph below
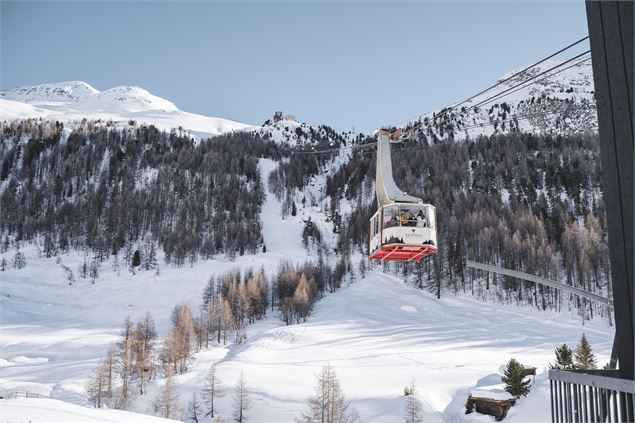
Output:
x=378 y=333
x=39 y=410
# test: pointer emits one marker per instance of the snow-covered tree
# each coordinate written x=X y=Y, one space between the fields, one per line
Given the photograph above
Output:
x=362 y=267
x=19 y=260
x=93 y=271
x=70 y=277
x=413 y=412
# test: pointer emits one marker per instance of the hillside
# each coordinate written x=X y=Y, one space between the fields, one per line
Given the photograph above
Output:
x=378 y=332
x=560 y=103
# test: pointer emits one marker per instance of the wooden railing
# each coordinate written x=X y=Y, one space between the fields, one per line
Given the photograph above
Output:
x=25 y=394
x=591 y=396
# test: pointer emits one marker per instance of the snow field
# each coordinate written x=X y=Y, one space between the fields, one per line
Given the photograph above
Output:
x=378 y=333
x=39 y=410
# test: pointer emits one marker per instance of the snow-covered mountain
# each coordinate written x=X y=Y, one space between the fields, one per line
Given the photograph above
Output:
x=73 y=101
x=56 y=92
x=559 y=103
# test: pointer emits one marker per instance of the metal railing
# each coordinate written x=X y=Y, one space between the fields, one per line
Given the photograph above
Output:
x=591 y=396
x=539 y=280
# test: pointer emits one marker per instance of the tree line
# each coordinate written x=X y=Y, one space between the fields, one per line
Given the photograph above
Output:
x=106 y=189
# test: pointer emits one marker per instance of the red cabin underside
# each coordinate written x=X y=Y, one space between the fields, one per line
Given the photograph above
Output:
x=401 y=252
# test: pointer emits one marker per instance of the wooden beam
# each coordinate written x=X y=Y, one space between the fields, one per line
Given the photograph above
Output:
x=611 y=38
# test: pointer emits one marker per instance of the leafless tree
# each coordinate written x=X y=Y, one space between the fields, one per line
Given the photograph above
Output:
x=166 y=403
x=212 y=390
x=241 y=400
x=329 y=404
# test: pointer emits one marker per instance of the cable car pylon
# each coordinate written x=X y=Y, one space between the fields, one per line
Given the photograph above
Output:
x=403 y=228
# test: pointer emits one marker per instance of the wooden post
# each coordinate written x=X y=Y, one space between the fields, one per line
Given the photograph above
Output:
x=611 y=37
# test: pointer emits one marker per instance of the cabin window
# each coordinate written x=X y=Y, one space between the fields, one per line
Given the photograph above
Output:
x=431 y=216
x=391 y=216
x=415 y=216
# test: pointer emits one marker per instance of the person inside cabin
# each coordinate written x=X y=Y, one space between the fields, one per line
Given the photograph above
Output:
x=421 y=219
x=411 y=219
x=403 y=219
x=394 y=221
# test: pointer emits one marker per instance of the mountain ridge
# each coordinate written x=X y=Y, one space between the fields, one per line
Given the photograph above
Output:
x=73 y=101
x=558 y=100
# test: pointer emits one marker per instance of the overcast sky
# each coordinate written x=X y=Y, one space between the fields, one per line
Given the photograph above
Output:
x=347 y=64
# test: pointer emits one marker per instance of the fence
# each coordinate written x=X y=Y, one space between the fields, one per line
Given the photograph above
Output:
x=591 y=396
x=21 y=394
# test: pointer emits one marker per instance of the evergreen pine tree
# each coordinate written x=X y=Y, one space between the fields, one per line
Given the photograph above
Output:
x=514 y=379
x=469 y=405
x=564 y=358
x=136 y=259
x=584 y=357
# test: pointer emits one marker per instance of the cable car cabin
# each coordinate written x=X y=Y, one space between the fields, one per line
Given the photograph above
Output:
x=404 y=228
x=403 y=232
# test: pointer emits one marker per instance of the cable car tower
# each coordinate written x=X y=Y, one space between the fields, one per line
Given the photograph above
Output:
x=404 y=228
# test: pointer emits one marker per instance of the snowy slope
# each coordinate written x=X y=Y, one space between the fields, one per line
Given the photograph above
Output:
x=12 y=110
x=561 y=103
x=41 y=410
x=378 y=333
x=70 y=102
x=54 y=92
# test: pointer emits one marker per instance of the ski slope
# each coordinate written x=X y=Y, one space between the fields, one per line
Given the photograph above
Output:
x=378 y=332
